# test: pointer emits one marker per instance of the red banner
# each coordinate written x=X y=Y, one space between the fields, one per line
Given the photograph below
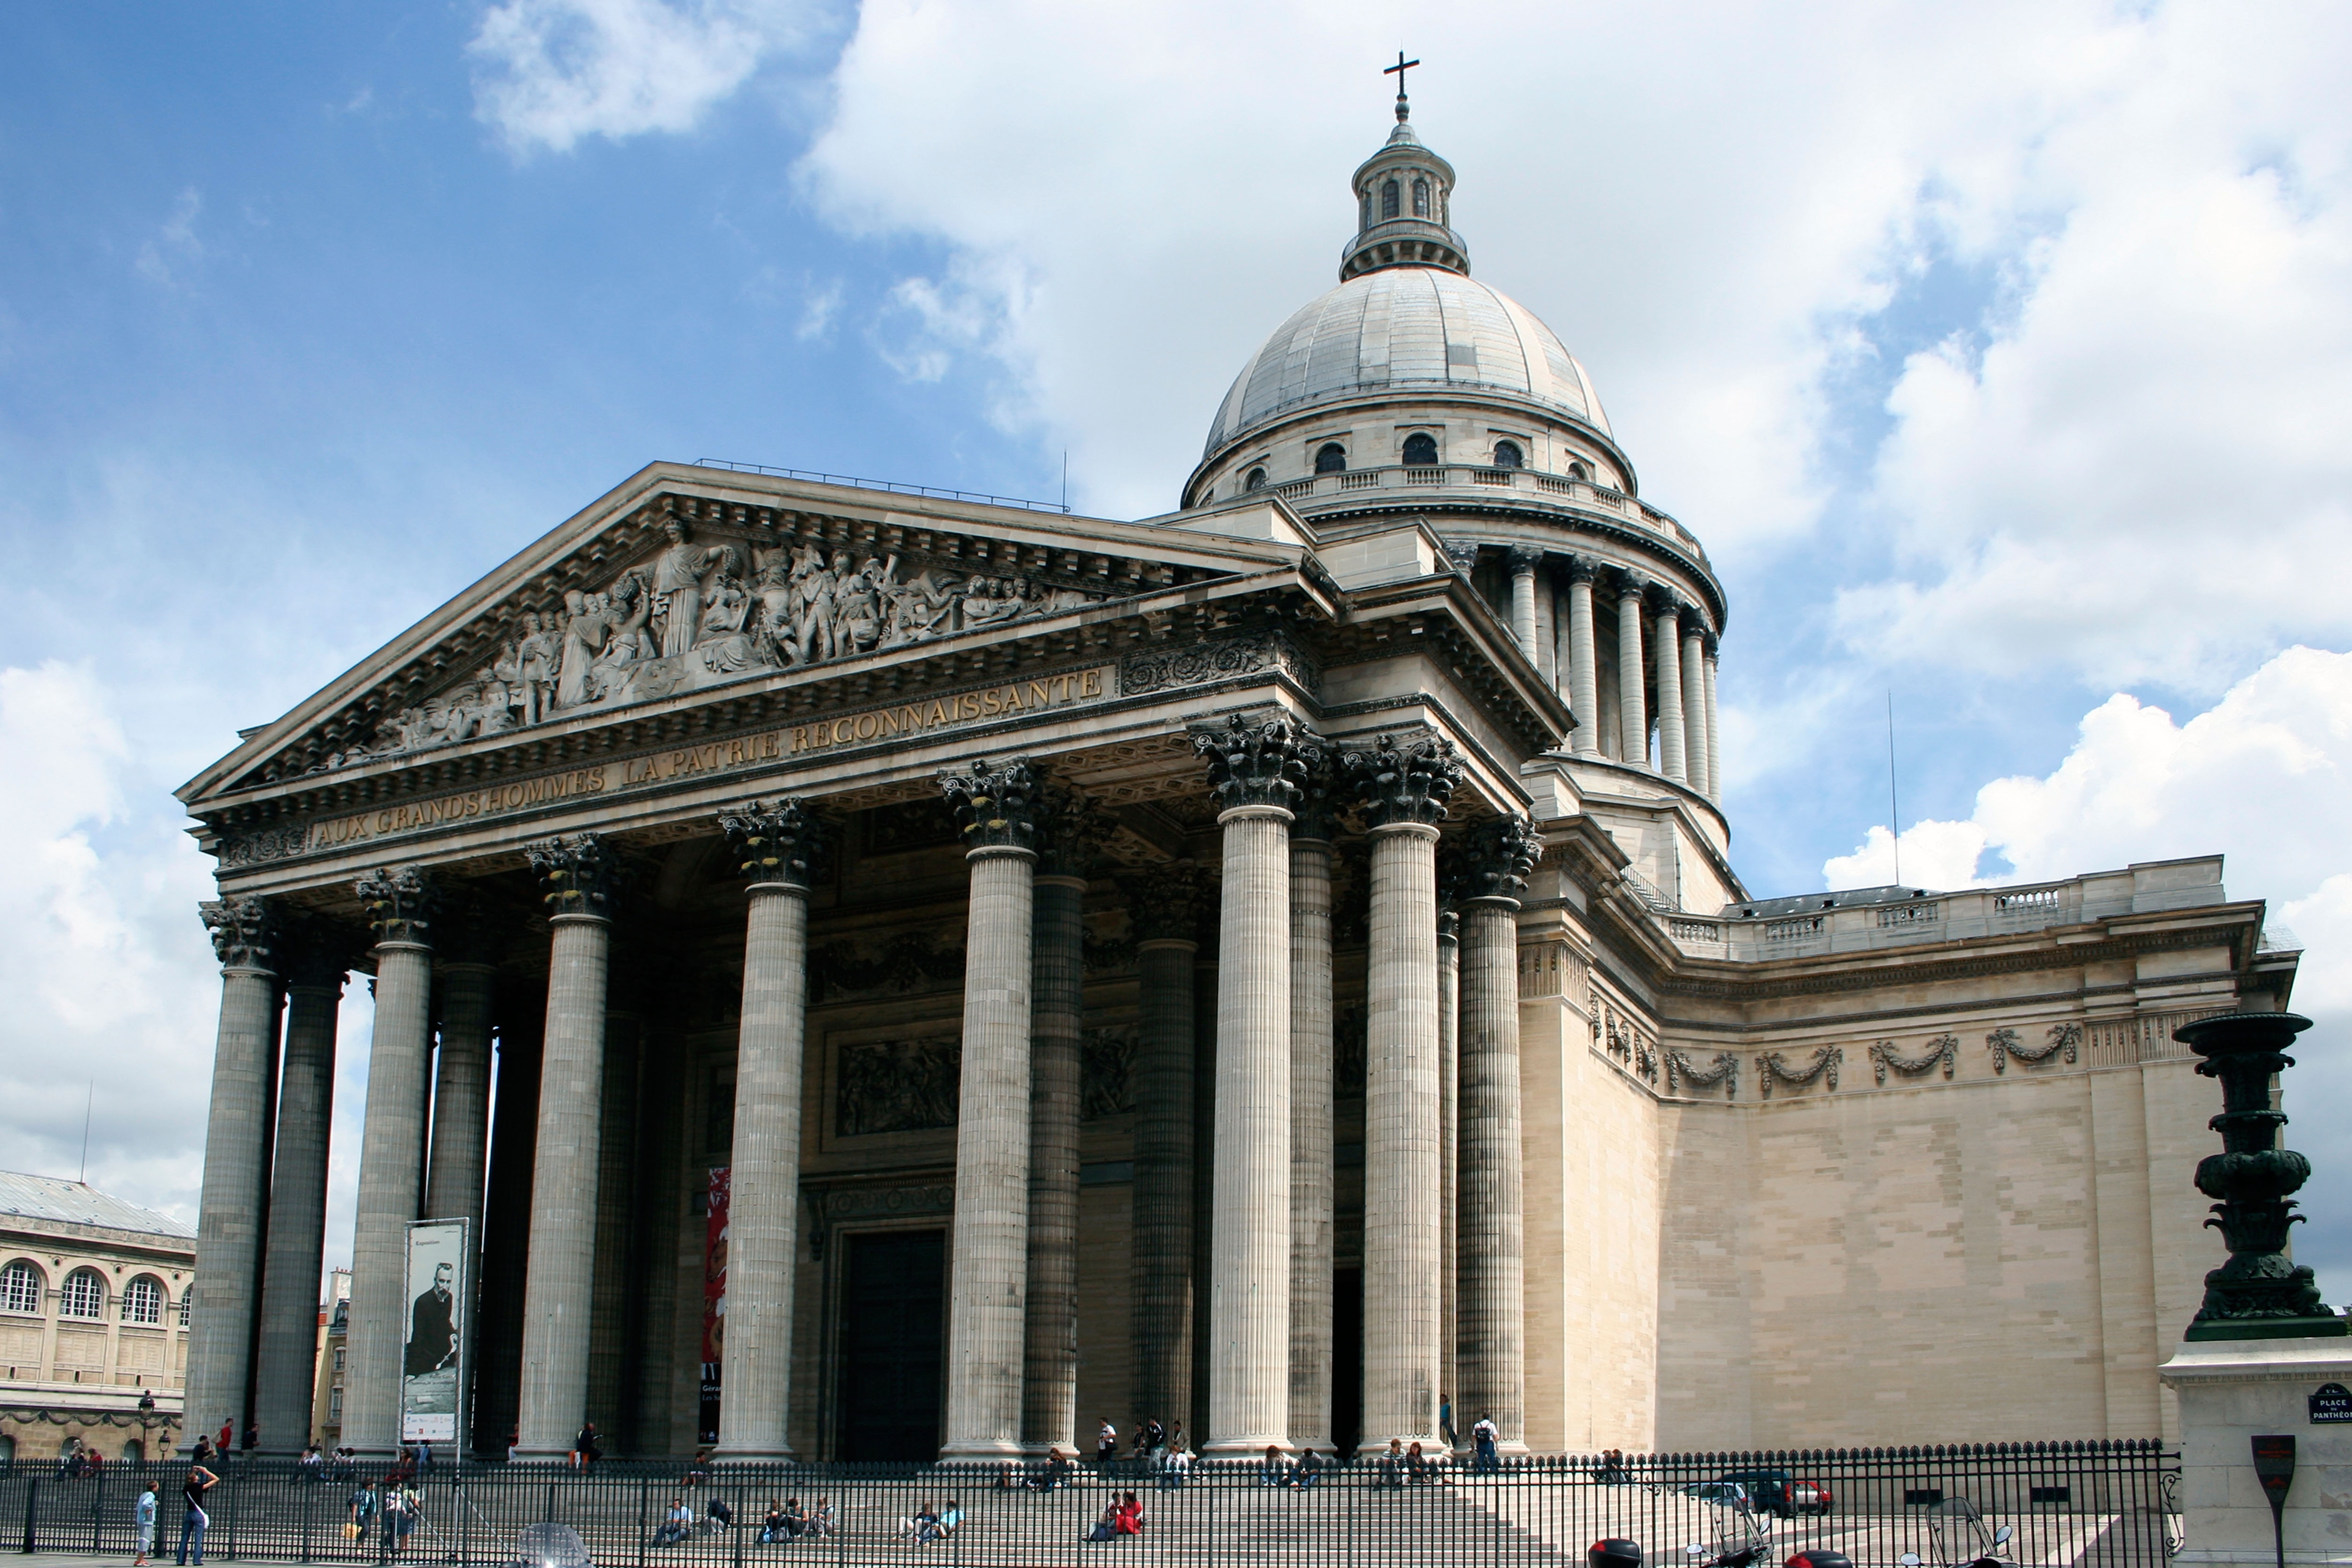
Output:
x=714 y=1300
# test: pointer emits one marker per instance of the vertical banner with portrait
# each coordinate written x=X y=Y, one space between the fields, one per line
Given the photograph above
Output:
x=714 y=1300
x=440 y=1309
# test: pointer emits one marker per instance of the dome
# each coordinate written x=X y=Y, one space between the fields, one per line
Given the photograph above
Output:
x=1423 y=329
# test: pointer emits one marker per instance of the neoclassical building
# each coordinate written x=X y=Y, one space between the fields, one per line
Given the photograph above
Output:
x=952 y=971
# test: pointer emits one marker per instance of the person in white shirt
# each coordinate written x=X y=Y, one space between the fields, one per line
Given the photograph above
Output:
x=1485 y=1436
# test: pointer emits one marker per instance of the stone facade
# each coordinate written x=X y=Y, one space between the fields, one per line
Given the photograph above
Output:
x=92 y=1293
x=1029 y=926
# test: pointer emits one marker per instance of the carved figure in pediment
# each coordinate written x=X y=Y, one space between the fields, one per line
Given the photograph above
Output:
x=631 y=601
x=991 y=601
x=777 y=618
x=816 y=631
x=858 y=606
x=587 y=628
x=537 y=655
x=923 y=607
x=678 y=574
x=495 y=704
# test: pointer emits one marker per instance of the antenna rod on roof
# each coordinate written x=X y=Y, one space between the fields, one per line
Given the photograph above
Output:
x=1893 y=809
x=87 y=1101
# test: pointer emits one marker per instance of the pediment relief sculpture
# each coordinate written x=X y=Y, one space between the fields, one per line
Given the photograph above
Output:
x=701 y=613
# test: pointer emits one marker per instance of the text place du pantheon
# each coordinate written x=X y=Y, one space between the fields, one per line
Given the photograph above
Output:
x=886 y=975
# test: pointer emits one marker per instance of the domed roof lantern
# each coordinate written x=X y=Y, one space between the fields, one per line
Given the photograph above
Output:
x=1404 y=193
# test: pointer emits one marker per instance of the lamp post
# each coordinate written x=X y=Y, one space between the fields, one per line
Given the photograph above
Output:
x=2260 y=1294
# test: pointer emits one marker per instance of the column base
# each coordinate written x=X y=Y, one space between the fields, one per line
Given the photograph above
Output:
x=988 y=1453
x=1243 y=1447
x=1433 y=1446
x=780 y=1455
x=528 y=1456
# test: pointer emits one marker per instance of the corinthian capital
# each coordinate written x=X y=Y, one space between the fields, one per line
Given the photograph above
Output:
x=779 y=842
x=995 y=806
x=577 y=873
x=1167 y=903
x=318 y=952
x=1497 y=857
x=1408 y=783
x=244 y=931
x=1071 y=828
x=1322 y=795
x=401 y=903
x=1522 y=560
x=1255 y=764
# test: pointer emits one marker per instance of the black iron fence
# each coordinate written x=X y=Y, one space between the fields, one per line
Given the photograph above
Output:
x=2066 y=1505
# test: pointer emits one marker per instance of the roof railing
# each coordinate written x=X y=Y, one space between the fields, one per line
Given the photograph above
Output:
x=896 y=486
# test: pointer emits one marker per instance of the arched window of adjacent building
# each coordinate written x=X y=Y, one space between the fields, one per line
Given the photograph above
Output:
x=1420 y=451
x=1332 y=459
x=1508 y=456
x=20 y=1287
x=187 y=1298
x=134 y=1452
x=1388 y=199
x=1256 y=480
x=142 y=1301
x=1421 y=198
x=85 y=1295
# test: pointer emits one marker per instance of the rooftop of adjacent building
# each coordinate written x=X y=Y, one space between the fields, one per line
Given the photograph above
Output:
x=30 y=1196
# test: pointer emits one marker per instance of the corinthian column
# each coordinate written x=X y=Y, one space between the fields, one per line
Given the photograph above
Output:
x=1583 y=689
x=1523 y=564
x=1449 y=1137
x=988 y=1271
x=1632 y=714
x=318 y=957
x=1403 y=792
x=1068 y=828
x=1492 y=1347
x=1714 y=749
x=556 y=1306
x=1693 y=673
x=1255 y=770
x=400 y=905
x=1668 y=643
x=1311 y=1152
x=229 y=1206
x=1164 y=908
x=775 y=847
x=461 y=1095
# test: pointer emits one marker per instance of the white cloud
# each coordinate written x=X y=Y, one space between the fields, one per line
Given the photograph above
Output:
x=550 y=73
x=107 y=972
x=818 y=312
x=2142 y=473
x=2259 y=777
x=175 y=245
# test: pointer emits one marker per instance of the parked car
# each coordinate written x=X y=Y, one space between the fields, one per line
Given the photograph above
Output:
x=1811 y=1497
x=1725 y=1493
x=1772 y=1490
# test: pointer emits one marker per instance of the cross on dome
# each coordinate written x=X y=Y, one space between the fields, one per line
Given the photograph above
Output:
x=1397 y=70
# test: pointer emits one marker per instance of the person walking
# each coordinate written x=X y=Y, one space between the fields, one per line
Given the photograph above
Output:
x=1485 y=1436
x=1445 y=1421
x=193 y=1519
x=1106 y=1444
x=146 y=1526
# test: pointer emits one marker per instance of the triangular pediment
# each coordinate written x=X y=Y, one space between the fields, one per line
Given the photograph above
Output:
x=689 y=580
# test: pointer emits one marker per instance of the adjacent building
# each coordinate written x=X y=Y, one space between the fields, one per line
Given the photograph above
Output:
x=93 y=1320
x=951 y=969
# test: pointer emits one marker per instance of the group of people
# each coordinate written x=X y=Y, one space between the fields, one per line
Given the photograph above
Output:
x=78 y=1461
x=1122 y=1516
x=788 y=1522
x=927 y=1524
x=390 y=1509
x=1160 y=1450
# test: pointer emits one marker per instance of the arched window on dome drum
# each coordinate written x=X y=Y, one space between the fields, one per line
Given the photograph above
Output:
x=84 y=1295
x=1256 y=480
x=1508 y=456
x=1421 y=198
x=1332 y=459
x=1388 y=199
x=142 y=1301
x=20 y=1288
x=1367 y=222
x=1579 y=471
x=1420 y=451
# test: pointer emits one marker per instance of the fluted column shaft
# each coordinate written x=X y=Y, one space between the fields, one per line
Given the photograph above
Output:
x=1312 y=1152
x=461 y=1097
x=1671 y=733
x=764 y=1200
x=391 y=1133
x=289 y=1348
x=1162 y=1222
x=1249 y=1277
x=988 y=1269
x=1049 y=1384
x=1402 y=1168
x=1449 y=1124
x=1523 y=564
x=229 y=1204
x=1694 y=673
x=1492 y=1342
x=1633 y=712
x=1583 y=688
x=557 y=1286
x=1547 y=628
x=1713 y=750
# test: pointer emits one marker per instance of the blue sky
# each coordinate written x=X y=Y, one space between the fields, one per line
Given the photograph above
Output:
x=2002 y=356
